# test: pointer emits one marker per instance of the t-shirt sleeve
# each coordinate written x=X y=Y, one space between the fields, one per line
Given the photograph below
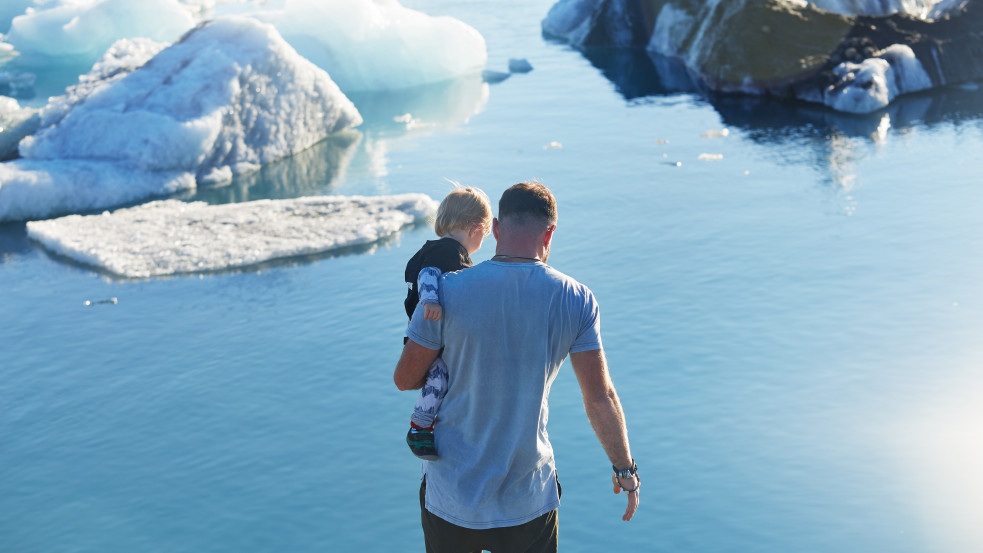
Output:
x=426 y=332
x=589 y=337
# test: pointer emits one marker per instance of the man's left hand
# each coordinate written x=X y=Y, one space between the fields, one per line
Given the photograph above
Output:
x=633 y=500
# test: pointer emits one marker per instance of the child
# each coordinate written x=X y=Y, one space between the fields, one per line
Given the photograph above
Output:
x=463 y=221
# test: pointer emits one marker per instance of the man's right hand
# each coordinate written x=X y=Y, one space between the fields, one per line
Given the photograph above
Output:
x=633 y=500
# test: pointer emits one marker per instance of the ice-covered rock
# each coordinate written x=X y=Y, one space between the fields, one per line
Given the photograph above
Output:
x=228 y=97
x=173 y=237
x=79 y=31
x=378 y=45
x=791 y=48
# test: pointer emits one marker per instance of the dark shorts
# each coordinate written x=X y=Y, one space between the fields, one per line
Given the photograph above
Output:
x=536 y=536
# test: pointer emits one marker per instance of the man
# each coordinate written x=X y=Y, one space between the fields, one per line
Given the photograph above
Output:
x=508 y=325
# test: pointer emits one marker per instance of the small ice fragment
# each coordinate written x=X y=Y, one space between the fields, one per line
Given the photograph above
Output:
x=674 y=163
x=553 y=146
x=715 y=133
x=493 y=77
x=661 y=141
x=519 y=66
x=747 y=172
x=106 y=301
x=711 y=157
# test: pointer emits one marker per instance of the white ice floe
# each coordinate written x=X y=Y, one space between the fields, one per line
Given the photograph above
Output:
x=172 y=237
x=875 y=82
x=230 y=96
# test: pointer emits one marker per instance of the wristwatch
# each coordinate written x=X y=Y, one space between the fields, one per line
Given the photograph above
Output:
x=626 y=473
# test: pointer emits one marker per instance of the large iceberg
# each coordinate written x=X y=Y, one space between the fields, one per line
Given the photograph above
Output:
x=377 y=45
x=854 y=58
x=226 y=98
x=170 y=237
x=362 y=44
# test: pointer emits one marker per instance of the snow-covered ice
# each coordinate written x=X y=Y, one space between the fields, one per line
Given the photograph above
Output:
x=228 y=97
x=172 y=237
x=919 y=8
x=872 y=84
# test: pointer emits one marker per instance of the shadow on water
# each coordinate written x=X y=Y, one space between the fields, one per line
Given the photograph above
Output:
x=642 y=77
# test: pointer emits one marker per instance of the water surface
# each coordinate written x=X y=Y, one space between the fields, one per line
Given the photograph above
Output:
x=793 y=330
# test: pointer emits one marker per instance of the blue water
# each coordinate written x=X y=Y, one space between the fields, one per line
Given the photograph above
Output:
x=793 y=330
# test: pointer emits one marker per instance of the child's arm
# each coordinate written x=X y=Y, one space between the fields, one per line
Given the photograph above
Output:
x=426 y=284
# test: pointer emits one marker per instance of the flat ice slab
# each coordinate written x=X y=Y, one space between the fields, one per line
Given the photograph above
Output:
x=172 y=237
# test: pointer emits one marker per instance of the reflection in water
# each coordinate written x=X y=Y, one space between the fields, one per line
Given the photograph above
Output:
x=310 y=172
x=389 y=117
x=13 y=241
x=833 y=142
x=440 y=106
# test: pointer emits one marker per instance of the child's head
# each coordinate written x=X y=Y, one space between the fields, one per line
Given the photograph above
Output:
x=462 y=210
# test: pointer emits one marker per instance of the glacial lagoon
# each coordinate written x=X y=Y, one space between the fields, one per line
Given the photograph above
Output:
x=790 y=301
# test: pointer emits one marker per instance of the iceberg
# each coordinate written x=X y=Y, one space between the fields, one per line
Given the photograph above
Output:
x=362 y=44
x=228 y=97
x=826 y=51
x=81 y=30
x=378 y=45
x=170 y=237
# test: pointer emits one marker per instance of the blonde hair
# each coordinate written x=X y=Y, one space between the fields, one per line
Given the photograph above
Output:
x=462 y=209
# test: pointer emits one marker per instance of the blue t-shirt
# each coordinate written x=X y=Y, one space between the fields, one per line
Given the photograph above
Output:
x=506 y=329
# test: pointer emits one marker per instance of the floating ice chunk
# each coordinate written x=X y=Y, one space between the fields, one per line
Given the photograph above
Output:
x=15 y=123
x=230 y=96
x=872 y=84
x=9 y=9
x=378 y=45
x=710 y=157
x=490 y=76
x=81 y=30
x=715 y=133
x=519 y=66
x=31 y=189
x=173 y=237
x=553 y=146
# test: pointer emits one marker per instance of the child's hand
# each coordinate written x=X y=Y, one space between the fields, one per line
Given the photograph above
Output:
x=432 y=311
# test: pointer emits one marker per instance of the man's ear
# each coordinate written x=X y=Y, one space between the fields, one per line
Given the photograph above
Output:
x=549 y=235
x=495 y=227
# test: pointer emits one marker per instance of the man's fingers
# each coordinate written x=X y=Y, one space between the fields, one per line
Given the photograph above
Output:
x=632 y=506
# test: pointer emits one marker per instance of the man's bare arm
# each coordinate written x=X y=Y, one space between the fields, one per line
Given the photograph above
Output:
x=606 y=417
x=411 y=370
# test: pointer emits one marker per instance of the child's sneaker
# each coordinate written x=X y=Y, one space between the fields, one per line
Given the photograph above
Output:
x=421 y=444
